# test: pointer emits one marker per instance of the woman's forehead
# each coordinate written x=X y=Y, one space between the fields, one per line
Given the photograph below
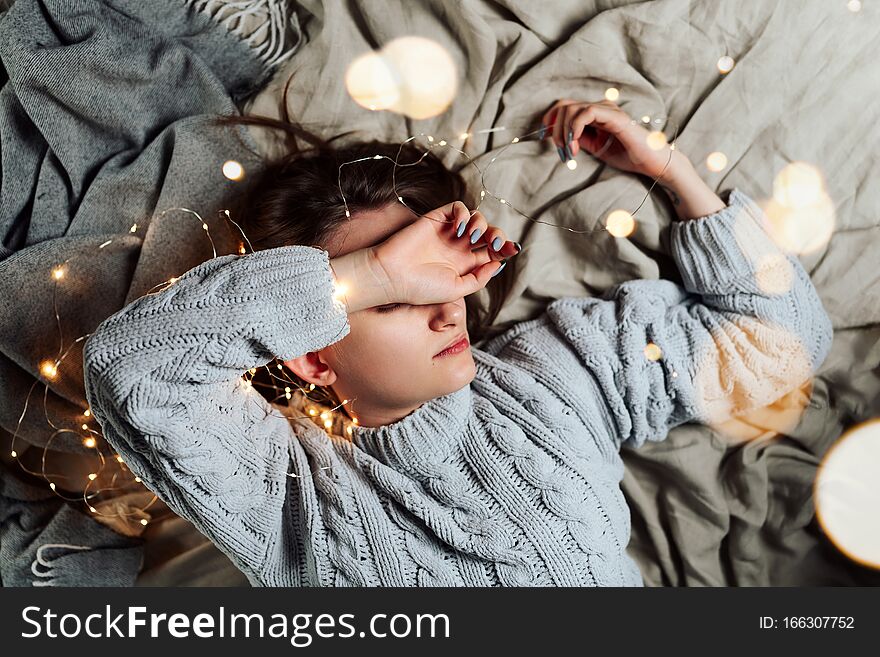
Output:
x=369 y=228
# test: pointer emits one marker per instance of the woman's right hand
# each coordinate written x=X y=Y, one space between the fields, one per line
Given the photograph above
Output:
x=425 y=262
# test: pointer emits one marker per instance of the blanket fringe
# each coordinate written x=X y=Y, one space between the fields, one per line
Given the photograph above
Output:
x=273 y=31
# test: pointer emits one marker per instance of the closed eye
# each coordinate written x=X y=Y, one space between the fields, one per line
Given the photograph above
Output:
x=388 y=308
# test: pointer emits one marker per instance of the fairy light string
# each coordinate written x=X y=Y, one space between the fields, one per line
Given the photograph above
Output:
x=320 y=411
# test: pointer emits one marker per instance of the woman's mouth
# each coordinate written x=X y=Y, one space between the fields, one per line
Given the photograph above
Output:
x=456 y=348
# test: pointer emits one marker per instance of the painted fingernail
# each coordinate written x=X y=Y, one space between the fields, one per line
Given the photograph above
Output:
x=542 y=133
x=461 y=228
x=498 y=271
x=561 y=152
x=568 y=155
x=496 y=243
x=518 y=246
x=476 y=235
x=570 y=136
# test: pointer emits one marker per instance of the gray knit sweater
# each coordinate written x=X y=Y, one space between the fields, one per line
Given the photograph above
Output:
x=513 y=480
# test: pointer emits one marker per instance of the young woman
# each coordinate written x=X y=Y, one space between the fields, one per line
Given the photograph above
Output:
x=445 y=464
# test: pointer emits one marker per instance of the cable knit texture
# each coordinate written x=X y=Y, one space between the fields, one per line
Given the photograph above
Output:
x=513 y=480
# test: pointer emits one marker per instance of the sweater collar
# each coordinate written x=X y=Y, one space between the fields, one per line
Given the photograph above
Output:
x=426 y=434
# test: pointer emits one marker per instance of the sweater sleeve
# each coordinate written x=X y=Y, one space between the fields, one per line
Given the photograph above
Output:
x=163 y=379
x=747 y=327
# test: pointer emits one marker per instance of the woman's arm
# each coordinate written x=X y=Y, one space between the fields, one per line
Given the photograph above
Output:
x=747 y=328
x=163 y=378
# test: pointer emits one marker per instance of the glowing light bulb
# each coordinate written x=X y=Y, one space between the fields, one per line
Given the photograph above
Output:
x=312 y=411
x=716 y=161
x=653 y=352
x=464 y=135
x=646 y=119
x=205 y=226
x=49 y=369
x=87 y=412
x=93 y=509
x=119 y=458
x=52 y=485
x=725 y=64
x=58 y=273
x=328 y=423
x=442 y=142
x=612 y=94
x=620 y=223
x=137 y=479
x=173 y=279
x=144 y=522
x=515 y=140
x=89 y=442
x=92 y=476
x=14 y=454
x=656 y=140
x=233 y=170
x=572 y=165
x=854 y=5
x=85 y=427
x=133 y=228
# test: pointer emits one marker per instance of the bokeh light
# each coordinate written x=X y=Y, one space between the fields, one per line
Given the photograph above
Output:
x=854 y=5
x=620 y=223
x=725 y=64
x=801 y=215
x=233 y=170
x=612 y=93
x=653 y=352
x=774 y=273
x=371 y=83
x=847 y=494
x=413 y=76
x=656 y=140
x=716 y=161
x=572 y=165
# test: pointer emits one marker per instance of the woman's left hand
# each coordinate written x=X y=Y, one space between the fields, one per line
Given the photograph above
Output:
x=608 y=133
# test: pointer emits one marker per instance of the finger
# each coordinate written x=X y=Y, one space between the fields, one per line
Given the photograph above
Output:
x=496 y=239
x=461 y=215
x=551 y=119
x=476 y=227
x=602 y=119
x=570 y=112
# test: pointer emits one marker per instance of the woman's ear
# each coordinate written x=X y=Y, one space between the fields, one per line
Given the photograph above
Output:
x=313 y=368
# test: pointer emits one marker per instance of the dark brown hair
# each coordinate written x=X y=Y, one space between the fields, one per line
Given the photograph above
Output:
x=295 y=198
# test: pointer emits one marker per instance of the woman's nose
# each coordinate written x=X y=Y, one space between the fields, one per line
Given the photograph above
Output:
x=450 y=312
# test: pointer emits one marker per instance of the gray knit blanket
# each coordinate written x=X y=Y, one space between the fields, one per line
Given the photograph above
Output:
x=104 y=112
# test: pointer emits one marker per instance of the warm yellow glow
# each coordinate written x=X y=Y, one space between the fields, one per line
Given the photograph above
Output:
x=233 y=170
x=572 y=165
x=133 y=228
x=656 y=140
x=119 y=458
x=14 y=454
x=173 y=279
x=93 y=509
x=89 y=442
x=716 y=161
x=241 y=249
x=798 y=185
x=87 y=412
x=774 y=274
x=801 y=215
x=413 y=76
x=725 y=64
x=48 y=369
x=340 y=289
x=92 y=476
x=464 y=135
x=85 y=427
x=653 y=352
x=847 y=494
x=144 y=522
x=325 y=414
x=328 y=423
x=52 y=485
x=137 y=479
x=354 y=420
x=312 y=411
x=612 y=94
x=620 y=223
x=646 y=119
x=58 y=273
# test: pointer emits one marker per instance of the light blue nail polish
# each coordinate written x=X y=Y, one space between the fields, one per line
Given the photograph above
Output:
x=561 y=152
x=570 y=136
x=496 y=243
x=542 y=133
x=476 y=235
x=568 y=155
x=461 y=228
x=498 y=271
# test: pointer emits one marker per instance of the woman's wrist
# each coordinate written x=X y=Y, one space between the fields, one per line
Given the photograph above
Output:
x=691 y=197
x=359 y=281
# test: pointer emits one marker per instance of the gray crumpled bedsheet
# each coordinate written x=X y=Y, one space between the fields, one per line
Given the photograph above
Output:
x=725 y=506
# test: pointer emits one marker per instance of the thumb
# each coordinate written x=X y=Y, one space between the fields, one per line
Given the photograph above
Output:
x=479 y=277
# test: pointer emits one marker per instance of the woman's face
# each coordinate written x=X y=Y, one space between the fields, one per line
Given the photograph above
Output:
x=388 y=364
